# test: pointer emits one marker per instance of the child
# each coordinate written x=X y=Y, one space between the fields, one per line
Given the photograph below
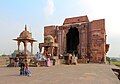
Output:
x=27 y=70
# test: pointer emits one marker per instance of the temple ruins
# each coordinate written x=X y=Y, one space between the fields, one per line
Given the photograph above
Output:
x=87 y=39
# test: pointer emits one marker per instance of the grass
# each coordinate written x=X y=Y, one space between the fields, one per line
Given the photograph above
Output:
x=116 y=63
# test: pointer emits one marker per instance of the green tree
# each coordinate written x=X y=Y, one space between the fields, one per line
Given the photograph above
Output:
x=114 y=60
x=16 y=52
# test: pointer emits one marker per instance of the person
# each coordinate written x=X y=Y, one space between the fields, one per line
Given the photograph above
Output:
x=109 y=60
x=48 y=61
x=16 y=61
x=75 y=60
x=69 y=59
x=22 y=68
x=54 y=61
x=27 y=69
x=88 y=60
x=37 y=56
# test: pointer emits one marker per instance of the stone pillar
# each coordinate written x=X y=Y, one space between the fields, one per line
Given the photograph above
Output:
x=104 y=54
x=52 y=51
x=60 y=40
x=19 y=47
x=31 y=47
x=105 y=58
x=79 y=46
x=25 y=47
x=57 y=51
x=64 y=41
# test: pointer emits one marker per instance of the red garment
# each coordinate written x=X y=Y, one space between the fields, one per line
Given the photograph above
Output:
x=44 y=52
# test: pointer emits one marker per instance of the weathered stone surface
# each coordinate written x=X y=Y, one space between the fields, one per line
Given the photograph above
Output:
x=87 y=39
x=61 y=74
x=76 y=20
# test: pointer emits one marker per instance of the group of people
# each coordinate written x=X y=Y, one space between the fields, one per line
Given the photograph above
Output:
x=72 y=59
x=40 y=57
x=24 y=68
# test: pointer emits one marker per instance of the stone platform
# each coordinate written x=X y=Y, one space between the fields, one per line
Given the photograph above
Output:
x=61 y=74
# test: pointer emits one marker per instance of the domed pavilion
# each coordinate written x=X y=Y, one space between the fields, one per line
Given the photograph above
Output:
x=50 y=46
x=25 y=37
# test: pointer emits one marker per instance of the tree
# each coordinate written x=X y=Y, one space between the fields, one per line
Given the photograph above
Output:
x=107 y=58
x=114 y=60
x=16 y=52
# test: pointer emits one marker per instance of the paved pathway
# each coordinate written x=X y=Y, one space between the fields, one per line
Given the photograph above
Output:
x=61 y=74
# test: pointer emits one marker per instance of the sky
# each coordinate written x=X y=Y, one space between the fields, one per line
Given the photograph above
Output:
x=36 y=14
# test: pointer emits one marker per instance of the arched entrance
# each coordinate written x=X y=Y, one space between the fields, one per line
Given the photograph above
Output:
x=72 y=40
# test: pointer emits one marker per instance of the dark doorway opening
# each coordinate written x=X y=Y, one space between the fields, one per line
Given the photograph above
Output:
x=72 y=40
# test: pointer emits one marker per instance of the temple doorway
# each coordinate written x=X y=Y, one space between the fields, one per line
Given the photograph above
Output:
x=72 y=40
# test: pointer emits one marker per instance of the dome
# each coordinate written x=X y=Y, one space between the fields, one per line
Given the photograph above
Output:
x=48 y=39
x=25 y=34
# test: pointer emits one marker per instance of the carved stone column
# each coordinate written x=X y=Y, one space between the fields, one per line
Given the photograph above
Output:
x=65 y=40
x=79 y=46
x=25 y=47
x=52 y=48
x=60 y=40
x=104 y=52
x=19 y=47
x=31 y=47
x=57 y=51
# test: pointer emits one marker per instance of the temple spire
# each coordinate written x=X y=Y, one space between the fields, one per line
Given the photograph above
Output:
x=25 y=27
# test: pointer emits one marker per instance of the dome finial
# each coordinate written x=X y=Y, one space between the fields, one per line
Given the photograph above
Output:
x=25 y=27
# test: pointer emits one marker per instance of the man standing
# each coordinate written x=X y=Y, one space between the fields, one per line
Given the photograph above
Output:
x=16 y=61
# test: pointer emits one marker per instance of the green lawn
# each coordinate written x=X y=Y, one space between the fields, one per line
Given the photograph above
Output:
x=115 y=63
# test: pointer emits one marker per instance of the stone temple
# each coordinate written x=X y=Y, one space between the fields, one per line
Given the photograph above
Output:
x=87 y=39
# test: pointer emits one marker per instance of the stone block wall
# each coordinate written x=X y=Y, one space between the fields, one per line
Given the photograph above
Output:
x=92 y=36
x=49 y=30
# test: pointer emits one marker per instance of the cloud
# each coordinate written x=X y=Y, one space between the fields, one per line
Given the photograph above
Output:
x=49 y=9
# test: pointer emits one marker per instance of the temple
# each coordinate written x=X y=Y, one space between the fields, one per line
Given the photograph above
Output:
x=87 y=39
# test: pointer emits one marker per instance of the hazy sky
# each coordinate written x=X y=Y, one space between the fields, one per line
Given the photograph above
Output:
x=14 y=14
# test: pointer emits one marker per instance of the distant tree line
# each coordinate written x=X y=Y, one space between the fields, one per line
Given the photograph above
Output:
x=112 y=59
x=4 y=55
